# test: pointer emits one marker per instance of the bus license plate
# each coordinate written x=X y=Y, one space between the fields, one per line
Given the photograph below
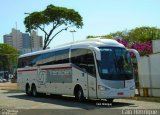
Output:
x=120 y=93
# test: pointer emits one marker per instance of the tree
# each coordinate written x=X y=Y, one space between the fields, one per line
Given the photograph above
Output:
x=144 y=48
x=143 y=34
x=8 y=57
x=139 y=38
x=136 y=35
x=60 y=19
x=109 y=36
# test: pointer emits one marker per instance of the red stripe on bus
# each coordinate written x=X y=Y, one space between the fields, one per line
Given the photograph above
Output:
x=26 y=70
x=67 y=76
x=56 y=68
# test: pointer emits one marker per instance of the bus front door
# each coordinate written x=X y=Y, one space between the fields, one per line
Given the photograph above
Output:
x=92 y=86
x=91 y=71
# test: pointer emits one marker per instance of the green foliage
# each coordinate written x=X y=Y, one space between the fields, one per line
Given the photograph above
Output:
x=142 y=34
x=56 y=17
x=109 y=36
x=116 y=34
x=8 y=56
x=90 y=37
x=105 y=36
x=137 y=35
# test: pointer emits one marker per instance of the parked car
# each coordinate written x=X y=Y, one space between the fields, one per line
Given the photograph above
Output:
x=3 y=80
x=4 y=75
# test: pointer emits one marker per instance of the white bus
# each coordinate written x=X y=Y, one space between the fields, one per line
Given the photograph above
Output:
x=92 y=69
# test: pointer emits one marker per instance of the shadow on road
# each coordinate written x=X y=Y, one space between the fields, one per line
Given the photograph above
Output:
x=70 y=101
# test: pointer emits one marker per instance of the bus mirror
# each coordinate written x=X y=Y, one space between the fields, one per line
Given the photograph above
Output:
x=98 y=55
x=136 y=53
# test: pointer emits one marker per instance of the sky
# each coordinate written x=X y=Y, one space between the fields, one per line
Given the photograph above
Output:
x=100 y=17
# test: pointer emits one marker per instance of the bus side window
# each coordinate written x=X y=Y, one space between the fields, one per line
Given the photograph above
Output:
x=22 y=62
x=84 y=59
x=62 y=56
x=78 y=58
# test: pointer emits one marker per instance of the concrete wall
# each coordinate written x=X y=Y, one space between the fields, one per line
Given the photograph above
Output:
x=149 y=75
x=156 y=46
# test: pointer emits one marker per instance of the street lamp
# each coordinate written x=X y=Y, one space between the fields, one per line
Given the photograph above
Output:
x=29 y=21
x=72 y=31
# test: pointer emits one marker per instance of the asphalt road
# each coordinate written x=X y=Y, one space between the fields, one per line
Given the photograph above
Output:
x=18 y=103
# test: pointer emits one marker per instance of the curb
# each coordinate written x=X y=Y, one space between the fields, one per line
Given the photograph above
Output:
x=154 y=99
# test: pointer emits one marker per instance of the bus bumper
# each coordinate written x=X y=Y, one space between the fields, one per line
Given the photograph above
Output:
x=115 y=94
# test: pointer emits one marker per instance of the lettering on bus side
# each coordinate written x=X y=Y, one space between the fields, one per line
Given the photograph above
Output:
x=59 y=75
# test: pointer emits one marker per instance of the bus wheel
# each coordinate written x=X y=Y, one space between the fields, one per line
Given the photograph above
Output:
x=110 y=100
x=28 y=89
x=34 y=91
x=79 y=95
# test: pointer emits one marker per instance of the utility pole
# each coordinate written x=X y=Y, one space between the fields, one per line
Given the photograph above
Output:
x=72 y=31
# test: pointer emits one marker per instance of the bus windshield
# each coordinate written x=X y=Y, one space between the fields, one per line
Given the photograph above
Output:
x=115 y=64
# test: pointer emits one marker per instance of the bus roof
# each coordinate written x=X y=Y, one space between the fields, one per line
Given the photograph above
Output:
x=80 y=44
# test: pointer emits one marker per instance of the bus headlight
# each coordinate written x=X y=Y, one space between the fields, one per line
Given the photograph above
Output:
x=102 y=88
x=132 y=88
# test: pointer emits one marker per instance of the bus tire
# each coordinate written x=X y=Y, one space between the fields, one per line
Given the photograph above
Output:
x=34 y=90
x=27 y=89
x=79 y=94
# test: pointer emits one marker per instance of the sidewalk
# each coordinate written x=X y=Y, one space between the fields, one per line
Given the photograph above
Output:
x=155 y=99
x=8 y=86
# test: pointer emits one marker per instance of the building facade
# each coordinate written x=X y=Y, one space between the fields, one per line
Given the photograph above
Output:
x=8 y=39
x=23 y=41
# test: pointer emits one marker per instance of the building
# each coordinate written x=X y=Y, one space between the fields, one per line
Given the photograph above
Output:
x=37 y=41
x=8 y=39
x=23 y=41
x=26 y=40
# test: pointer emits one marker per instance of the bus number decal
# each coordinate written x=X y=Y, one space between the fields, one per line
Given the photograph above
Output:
x=42 y=78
